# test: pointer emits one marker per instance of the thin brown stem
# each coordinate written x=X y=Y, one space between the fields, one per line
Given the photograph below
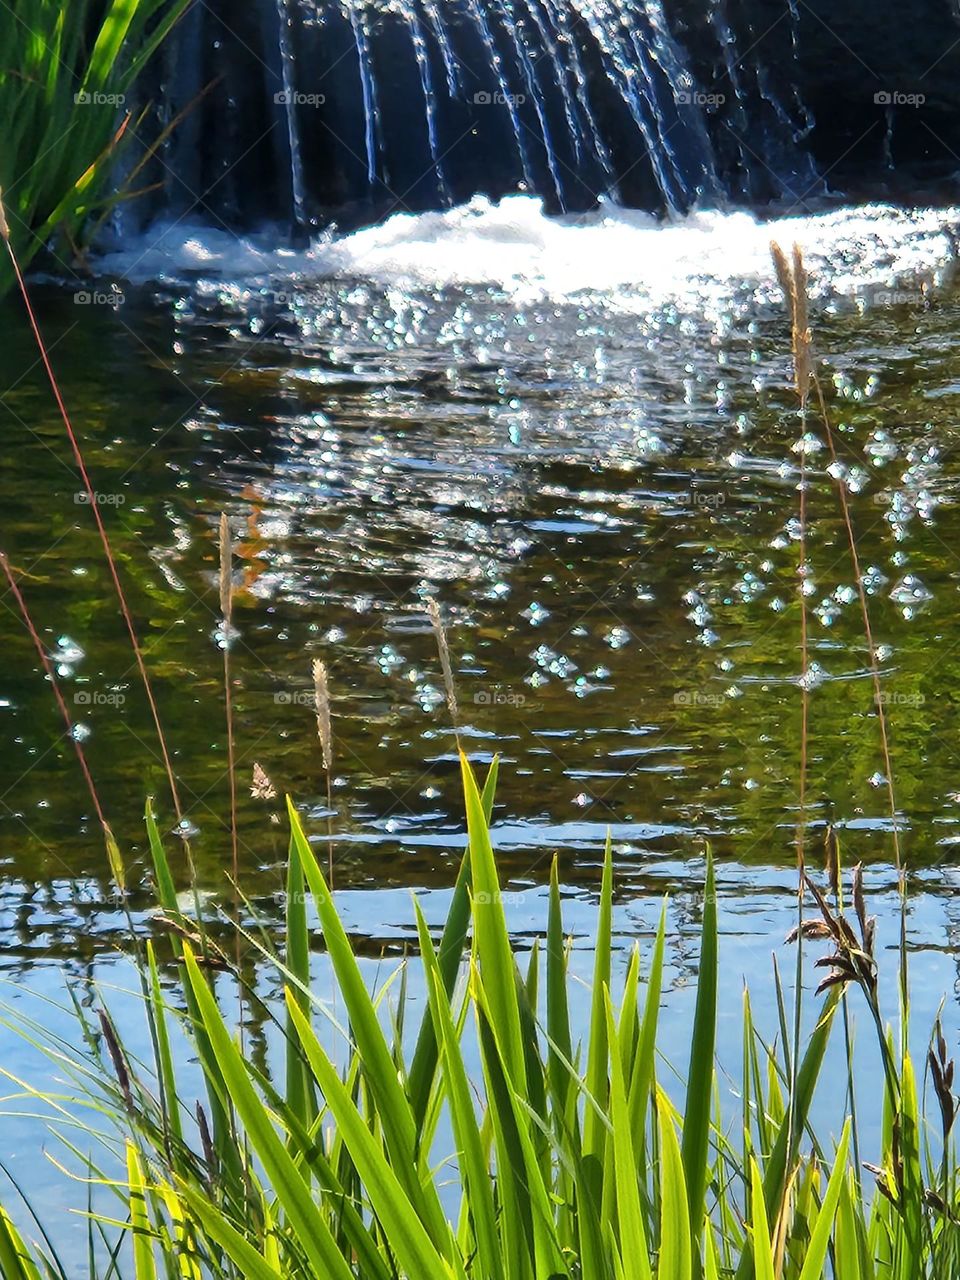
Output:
x=867 y=627
x=51 y=676
x=94 y=506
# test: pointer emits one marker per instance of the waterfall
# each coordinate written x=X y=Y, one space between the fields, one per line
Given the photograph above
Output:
x=368 y=85
x=360 y=107
x=288 y=99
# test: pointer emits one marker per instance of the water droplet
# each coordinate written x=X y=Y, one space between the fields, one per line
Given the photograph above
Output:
x=911 y=594
x=828 y=611
x=813 y=677
x=535 y=613
x=617 y=637
x=873 y=579
x=881 y=447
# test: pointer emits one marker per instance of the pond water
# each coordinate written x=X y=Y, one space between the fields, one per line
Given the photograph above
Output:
x=580 y=437
x=599 y=485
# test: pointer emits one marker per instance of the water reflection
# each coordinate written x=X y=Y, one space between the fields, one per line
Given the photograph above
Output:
x=604 y=500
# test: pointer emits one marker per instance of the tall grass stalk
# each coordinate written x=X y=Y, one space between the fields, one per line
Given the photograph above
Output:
x=792 y=277
x=98 y=518
x=321 y=698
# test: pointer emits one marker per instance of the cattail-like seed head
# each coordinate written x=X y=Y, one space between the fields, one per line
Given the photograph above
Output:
x=226 y=569
x=261 y=788
x=321 y=693
x=793 y=280
x=831 y=846
x=118 y=1058
x=433 y=609
x=4 y=225
x=784 y=273
x=115 y=861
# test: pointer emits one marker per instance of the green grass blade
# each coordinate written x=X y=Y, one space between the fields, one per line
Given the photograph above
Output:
x=696 y=1119
x=297 y=957
x=379 y=1069
x=594 y=1133
x=15 y=1260
x=492 y=943
x=143 y=1237
x=474 y=1166
x=774 y=1179
x=403 y=1229
x=558 y=1013
x=763 y=1263
x=288 y=1184
x=676 y=1260
x=450 y=956
x=815 y=1261
x=167 y=1073
x=250 y=1262
x=644 y=1070
x=633 y=1237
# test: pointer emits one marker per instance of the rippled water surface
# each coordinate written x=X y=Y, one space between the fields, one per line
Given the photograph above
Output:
x=580 y=437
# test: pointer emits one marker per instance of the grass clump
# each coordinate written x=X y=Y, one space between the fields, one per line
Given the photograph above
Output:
x=67 y=71
x=488 y=1141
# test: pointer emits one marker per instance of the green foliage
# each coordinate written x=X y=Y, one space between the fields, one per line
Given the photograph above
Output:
x=557 y=1159
x=67 y=71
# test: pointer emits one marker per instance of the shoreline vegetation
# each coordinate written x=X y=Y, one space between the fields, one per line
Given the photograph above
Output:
x=68 y=95
x=560 y=1158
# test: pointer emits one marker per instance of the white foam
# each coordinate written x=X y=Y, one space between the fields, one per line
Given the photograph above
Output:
x=627 y=258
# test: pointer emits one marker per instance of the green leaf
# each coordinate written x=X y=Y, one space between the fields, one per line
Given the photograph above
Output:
x=815 y=1261
x=633 y=1237
x=379 y=1069
x=251 y=1263
x=167 y=1073
x=474 y=1166
x=696 y=1114
x=762 y=1248
x=404 y=1231
x=675 y=1254
x=491 y=938
x=594 y=1133
x=288 y=1184
x=143 y=1236
x=450 y=956
x=15 y=1260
